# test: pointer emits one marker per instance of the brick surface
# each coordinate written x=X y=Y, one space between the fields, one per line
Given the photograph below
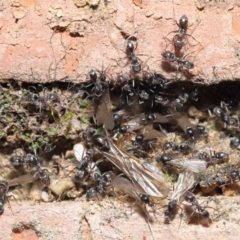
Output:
x=48 y=40
x=110 y=219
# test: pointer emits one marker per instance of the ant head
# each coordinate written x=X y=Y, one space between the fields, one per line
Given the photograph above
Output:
x=124 y=128
x=121 y=80
x=218 y=111
x=33 y=97
x=148 y=77
x=190 y=132
x=164 y=159
x=151 y=117
x=117 y=118
x=93 y=75
x=145 y=199
x=235 y=142
x=200 y=128
x=88 y=134
x=92 y=192
x=167 y=145
x=183 y=22
x=139 y=138
x=234 y=174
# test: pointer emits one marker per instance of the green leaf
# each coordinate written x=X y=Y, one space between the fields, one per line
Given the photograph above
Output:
x=84 y=120
x=6 y=105
x=68 y=116
x=100 y=131
x=52 y=131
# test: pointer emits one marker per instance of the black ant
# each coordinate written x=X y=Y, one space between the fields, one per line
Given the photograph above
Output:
x=127 y=88
x=235 y=142
x=103 y=183
x=190 y=198
x=43 y=176
x=100 y=92
x=143 y=144
x=182 y=64
x=180 y=40
x=171 y=210
x=133 y=59
x=184 y=147
x=31 y=160
x=145 y=199
x=3 y=193
x=155 y=80
x=226 y=118
x=214 y=158
x=84 y=166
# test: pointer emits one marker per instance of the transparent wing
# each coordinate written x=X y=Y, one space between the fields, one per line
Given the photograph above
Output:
x=186 y=180
x=27 y=178
x=196 y=166
x=149 y=178
x=104 y=115
x=78 y=150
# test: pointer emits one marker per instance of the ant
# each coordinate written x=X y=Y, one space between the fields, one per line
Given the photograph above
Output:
x=43 y=176
x=235 y=142
x=84 y=166
x=184 y=147
x=182 y=64
x=214 y=158
x=127 y=88
x=143 y=144
x=233 y=176
x=164 y=158
x=133 y=59
x=190 y=198
x=32 y=160
x=100 y=92
x=145 y=199
x=103 y=183
x=180 y=38
x=226 y=118
x=171 y=210
x=42 y=101
x=196 y=166
x=195 y=133
x=3 y=193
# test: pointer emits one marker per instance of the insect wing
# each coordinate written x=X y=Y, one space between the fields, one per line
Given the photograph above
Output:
x=92 y=169
x=149 y=178
x=123 y=184
x=196 y=166
x=186 y=181
x=104 y=115
x=78 y=150
x=24 y=179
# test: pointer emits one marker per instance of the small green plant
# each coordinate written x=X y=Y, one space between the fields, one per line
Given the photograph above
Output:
x=84 y=120
x=52 y=131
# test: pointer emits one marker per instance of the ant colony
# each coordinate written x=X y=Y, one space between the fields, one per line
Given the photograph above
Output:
x=136 y=133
